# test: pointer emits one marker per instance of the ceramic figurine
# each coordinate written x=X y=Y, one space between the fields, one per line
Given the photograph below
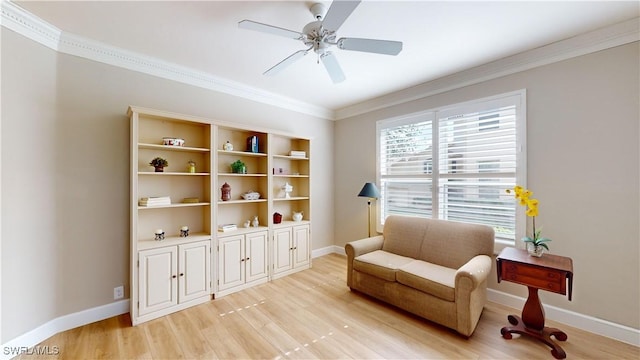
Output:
x=159 y=235
x=226 y=192
x=287 y=188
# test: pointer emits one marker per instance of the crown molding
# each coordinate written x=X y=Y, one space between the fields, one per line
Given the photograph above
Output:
x=36 y=29
x=24 y=23
x=601 y=39
x=28 y=25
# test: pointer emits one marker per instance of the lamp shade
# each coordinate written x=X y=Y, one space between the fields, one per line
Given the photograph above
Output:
x=369 y=190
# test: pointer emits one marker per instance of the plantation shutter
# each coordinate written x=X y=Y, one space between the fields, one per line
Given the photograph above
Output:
x=405 y=166
x=477 y=162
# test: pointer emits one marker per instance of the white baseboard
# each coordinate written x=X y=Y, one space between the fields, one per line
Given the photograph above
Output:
x=584 y=322
x=62 y=323
x=332 y=249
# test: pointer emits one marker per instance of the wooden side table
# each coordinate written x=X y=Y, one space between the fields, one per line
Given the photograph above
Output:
x=550 y=273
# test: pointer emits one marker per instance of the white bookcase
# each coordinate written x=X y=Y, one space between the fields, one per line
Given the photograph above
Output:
x=174 y=273
x=178 y=272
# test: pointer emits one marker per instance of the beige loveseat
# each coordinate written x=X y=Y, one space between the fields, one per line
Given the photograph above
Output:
x=435 y=269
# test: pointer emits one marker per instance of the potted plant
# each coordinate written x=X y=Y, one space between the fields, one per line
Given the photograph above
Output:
x=535 y=244
x=159 y=163
x=238 y=167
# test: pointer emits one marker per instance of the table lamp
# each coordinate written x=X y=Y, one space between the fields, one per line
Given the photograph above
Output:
x=370 y=191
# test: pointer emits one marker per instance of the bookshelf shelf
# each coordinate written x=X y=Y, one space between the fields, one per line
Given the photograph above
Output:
x=174 y=205
x=172 y=148
x=167 y=173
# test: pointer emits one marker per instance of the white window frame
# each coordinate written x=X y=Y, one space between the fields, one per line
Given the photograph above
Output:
x=517 y=98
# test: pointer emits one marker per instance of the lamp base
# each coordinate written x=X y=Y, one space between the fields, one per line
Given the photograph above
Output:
x=369 y=206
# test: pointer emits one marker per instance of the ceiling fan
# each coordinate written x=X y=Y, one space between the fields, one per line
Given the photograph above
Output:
x=320 y=36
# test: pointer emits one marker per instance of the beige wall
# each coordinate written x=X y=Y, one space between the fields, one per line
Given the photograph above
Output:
x=29 y=257
x=583 y=165
x=65 y=178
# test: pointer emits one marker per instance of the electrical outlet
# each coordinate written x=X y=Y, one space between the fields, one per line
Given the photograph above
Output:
x=118 y=292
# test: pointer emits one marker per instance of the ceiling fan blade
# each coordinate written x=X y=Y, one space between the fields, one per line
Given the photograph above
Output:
x=386 y=47
x=333 y=68
x=269 y=29
x=286 y=62
x=338 y=12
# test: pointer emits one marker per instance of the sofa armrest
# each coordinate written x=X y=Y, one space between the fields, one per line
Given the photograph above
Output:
x=363 y=246
x=357 y=248
x=471 y=292
x=475 y=272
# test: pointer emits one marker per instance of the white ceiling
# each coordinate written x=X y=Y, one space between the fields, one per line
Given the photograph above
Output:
x=440 y=38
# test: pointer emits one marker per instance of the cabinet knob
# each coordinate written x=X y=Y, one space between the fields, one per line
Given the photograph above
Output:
x=181 y=274
x=173 y=276
x=290 y=248
x=241 y=259
x=247 y=259
x=295 y=248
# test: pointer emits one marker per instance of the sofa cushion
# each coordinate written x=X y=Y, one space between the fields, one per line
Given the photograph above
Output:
x=380 y=263
x=430 y=278
x=403 y=235
x=453 y=244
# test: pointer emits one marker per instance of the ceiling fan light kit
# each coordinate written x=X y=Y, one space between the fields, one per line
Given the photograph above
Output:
x=320 y=35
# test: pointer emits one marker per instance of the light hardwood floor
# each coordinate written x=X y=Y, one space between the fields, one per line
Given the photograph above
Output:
x=313 y=315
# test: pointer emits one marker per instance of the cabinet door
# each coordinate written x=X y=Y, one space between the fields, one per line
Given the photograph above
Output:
x=194 y=270
x=158 y=279
x=230 y=262
x=282 y=250
x=301 y=245
x=256 y=256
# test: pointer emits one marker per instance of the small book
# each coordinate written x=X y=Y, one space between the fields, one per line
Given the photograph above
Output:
x=154 y=201
x=296 y=153
x=227 y=227
x=156 y=198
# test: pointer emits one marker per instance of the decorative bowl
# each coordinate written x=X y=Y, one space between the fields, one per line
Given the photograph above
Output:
x=172 y=141
x=251 y=195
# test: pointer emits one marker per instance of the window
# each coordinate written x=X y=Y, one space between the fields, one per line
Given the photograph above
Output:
x=455 y=163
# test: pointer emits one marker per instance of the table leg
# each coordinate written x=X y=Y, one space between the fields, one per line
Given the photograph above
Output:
x=533 y=312
x=532 y=324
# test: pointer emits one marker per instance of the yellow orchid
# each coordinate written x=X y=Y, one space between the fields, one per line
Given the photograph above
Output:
x=524 y=198
x=532 y=204
x=518 y=190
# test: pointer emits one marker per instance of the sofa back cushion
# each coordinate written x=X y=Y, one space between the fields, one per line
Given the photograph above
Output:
x=453 y=244
x=442 y=242
x=403 y=235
